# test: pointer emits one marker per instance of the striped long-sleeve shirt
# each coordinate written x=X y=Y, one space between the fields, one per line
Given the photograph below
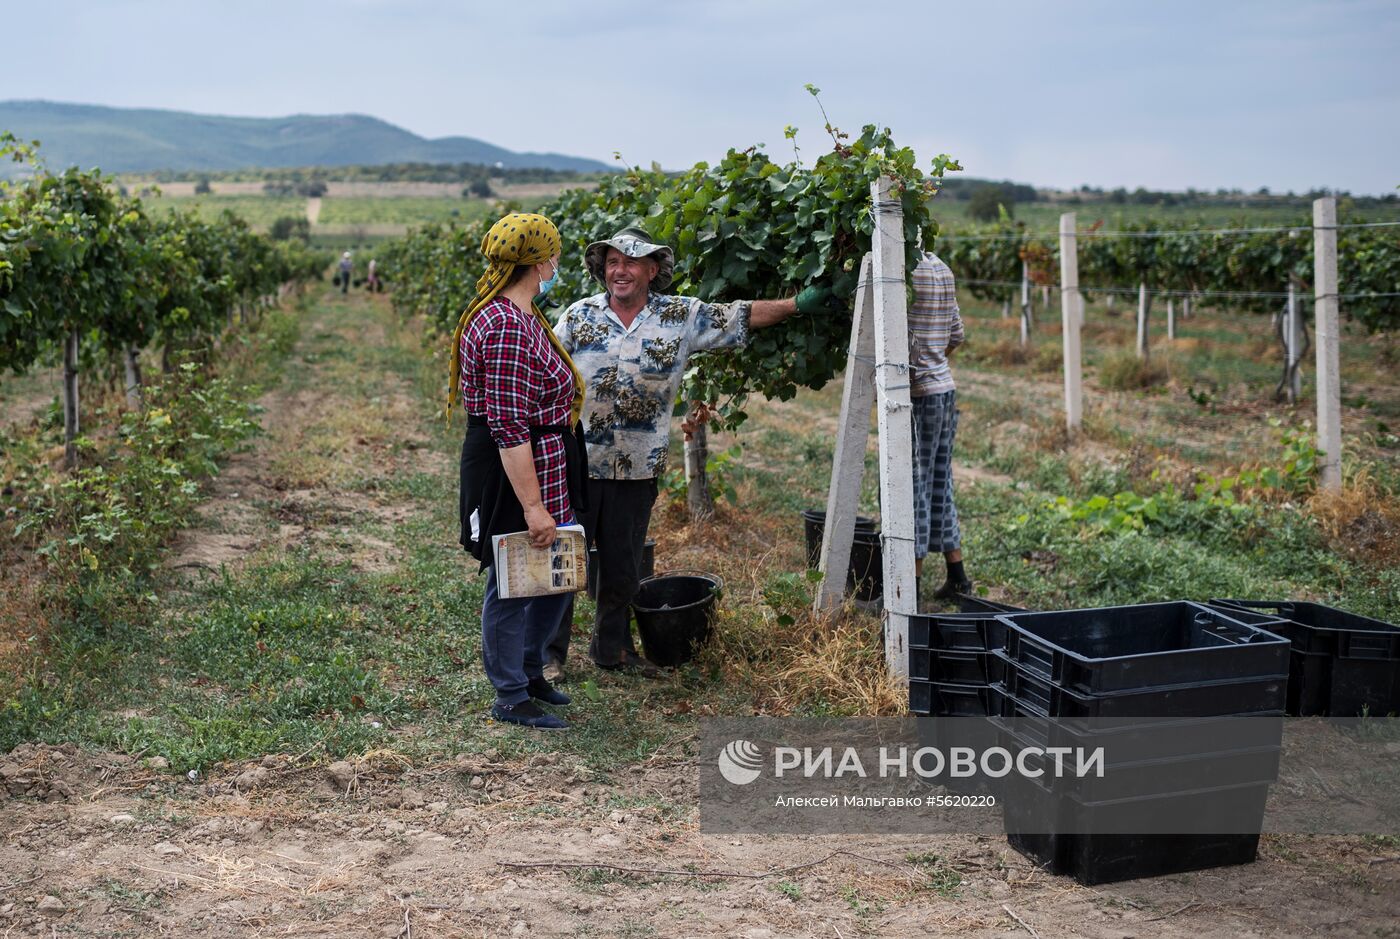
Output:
x=935 y=327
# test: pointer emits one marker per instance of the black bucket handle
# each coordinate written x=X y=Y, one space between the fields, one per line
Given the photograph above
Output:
x=716 y=591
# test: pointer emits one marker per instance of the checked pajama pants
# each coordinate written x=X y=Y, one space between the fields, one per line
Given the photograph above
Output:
x=935 y=515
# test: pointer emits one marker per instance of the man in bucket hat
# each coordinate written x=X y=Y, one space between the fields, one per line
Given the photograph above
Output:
x=631 y=344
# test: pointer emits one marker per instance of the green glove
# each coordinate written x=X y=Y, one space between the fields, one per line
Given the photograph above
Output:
x=817 y=298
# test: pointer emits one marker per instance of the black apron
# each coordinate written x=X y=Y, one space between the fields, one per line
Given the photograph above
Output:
x=485 y=488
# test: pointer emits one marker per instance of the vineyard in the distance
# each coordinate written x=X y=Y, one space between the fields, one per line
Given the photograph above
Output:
x=86 y=270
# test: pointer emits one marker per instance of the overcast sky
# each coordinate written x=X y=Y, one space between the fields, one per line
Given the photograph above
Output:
x=1289 y=94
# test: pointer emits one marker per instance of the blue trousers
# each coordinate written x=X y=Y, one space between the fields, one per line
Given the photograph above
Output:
x=513 y=637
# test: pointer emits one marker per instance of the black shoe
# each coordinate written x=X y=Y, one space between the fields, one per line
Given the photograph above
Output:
x=632 y=664
x=949 y=590
x=527 y=715
x=541 y=690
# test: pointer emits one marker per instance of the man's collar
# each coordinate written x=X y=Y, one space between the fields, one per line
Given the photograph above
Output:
x=651 y=306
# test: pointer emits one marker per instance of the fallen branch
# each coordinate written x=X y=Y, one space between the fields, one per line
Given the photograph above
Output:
x=141 y=783
x=1383 y=860
x=1180 y=909
x=19 y=883
x=1024 y=925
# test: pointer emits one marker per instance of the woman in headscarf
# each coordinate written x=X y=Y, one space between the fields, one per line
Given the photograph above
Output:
x=522 y=459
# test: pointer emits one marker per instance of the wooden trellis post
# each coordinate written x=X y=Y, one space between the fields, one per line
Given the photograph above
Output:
x=880 y=328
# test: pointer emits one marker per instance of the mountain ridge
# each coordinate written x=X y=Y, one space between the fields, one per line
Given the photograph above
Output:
x=133 y=140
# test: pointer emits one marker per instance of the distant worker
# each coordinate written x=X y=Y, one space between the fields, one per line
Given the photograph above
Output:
x=935 y=330
x=371 y=277
x=346 y=267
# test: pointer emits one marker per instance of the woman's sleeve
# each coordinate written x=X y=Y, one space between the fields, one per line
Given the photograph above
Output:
x=511 y=386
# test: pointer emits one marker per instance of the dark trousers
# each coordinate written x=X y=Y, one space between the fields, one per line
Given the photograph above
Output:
x=619 y=512
x=513 y=637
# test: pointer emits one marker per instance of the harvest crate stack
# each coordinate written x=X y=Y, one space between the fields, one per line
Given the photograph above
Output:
x=1163 y=688
x=952 y=662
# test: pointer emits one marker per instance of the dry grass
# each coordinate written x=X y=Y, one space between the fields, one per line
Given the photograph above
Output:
x=835 y=662
x=767 y=640
x=1361 y=522
x=1002 y=352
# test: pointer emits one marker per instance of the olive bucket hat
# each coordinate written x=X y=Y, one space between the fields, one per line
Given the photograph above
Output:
x=635 y=243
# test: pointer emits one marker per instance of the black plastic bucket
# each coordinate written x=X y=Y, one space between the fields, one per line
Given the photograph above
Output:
x=647 y=569
x=674 y=613
x=814 y=526
x=865 y=577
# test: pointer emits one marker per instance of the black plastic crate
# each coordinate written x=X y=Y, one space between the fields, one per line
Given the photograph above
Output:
x=1060 y=833
x=941 y=699
x=970 y=632
x=962 y=668
x=1197 y=699
x=1309 y=683
x=1131 y=740
x=1137 y=779
x=1314 y=627
x=967 y=603
x=1125 y=648
x=1342 y=664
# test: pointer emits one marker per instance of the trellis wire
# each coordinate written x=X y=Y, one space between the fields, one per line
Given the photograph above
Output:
x=1027 y=236
x=1162 y=292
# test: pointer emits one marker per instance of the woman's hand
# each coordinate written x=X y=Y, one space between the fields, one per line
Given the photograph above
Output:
x=541 y=525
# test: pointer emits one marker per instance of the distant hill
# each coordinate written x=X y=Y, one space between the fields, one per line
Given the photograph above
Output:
x=127 y=140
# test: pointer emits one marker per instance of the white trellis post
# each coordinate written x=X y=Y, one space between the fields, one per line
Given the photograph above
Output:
x=1072 y=321
x=848 y=463
x=893 y=414
x=881 y=326
x=1142 y=338
x=1293 y=340
x=1171 y=318
x=1025 y=304
x=1327 y=335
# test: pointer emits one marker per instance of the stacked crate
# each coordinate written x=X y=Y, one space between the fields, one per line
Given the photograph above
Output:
x=1341 y=664
x=1161 y=687
x=952 y=662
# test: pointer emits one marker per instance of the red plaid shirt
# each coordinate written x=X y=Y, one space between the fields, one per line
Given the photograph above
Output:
x=512 y=374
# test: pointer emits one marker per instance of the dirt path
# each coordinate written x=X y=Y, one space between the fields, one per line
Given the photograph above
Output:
x=313 y=209
x=104 y=844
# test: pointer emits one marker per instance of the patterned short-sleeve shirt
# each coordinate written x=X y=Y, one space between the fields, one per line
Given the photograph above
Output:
x=632 y=374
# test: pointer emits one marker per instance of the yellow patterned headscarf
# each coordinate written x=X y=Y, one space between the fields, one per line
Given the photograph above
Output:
x=518 y=238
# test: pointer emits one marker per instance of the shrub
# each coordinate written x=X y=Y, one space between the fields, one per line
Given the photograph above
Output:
x=290 y=227
x=113 y=517
x=1048 y=358
x=1124 y=371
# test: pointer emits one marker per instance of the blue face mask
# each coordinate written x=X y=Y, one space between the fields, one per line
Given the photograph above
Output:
x=547 y=285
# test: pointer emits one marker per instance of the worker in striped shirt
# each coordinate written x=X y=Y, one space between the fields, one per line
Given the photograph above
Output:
x=935 y=330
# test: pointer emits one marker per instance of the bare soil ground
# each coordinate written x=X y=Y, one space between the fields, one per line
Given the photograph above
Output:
x=102 y=845
x=105 y=844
